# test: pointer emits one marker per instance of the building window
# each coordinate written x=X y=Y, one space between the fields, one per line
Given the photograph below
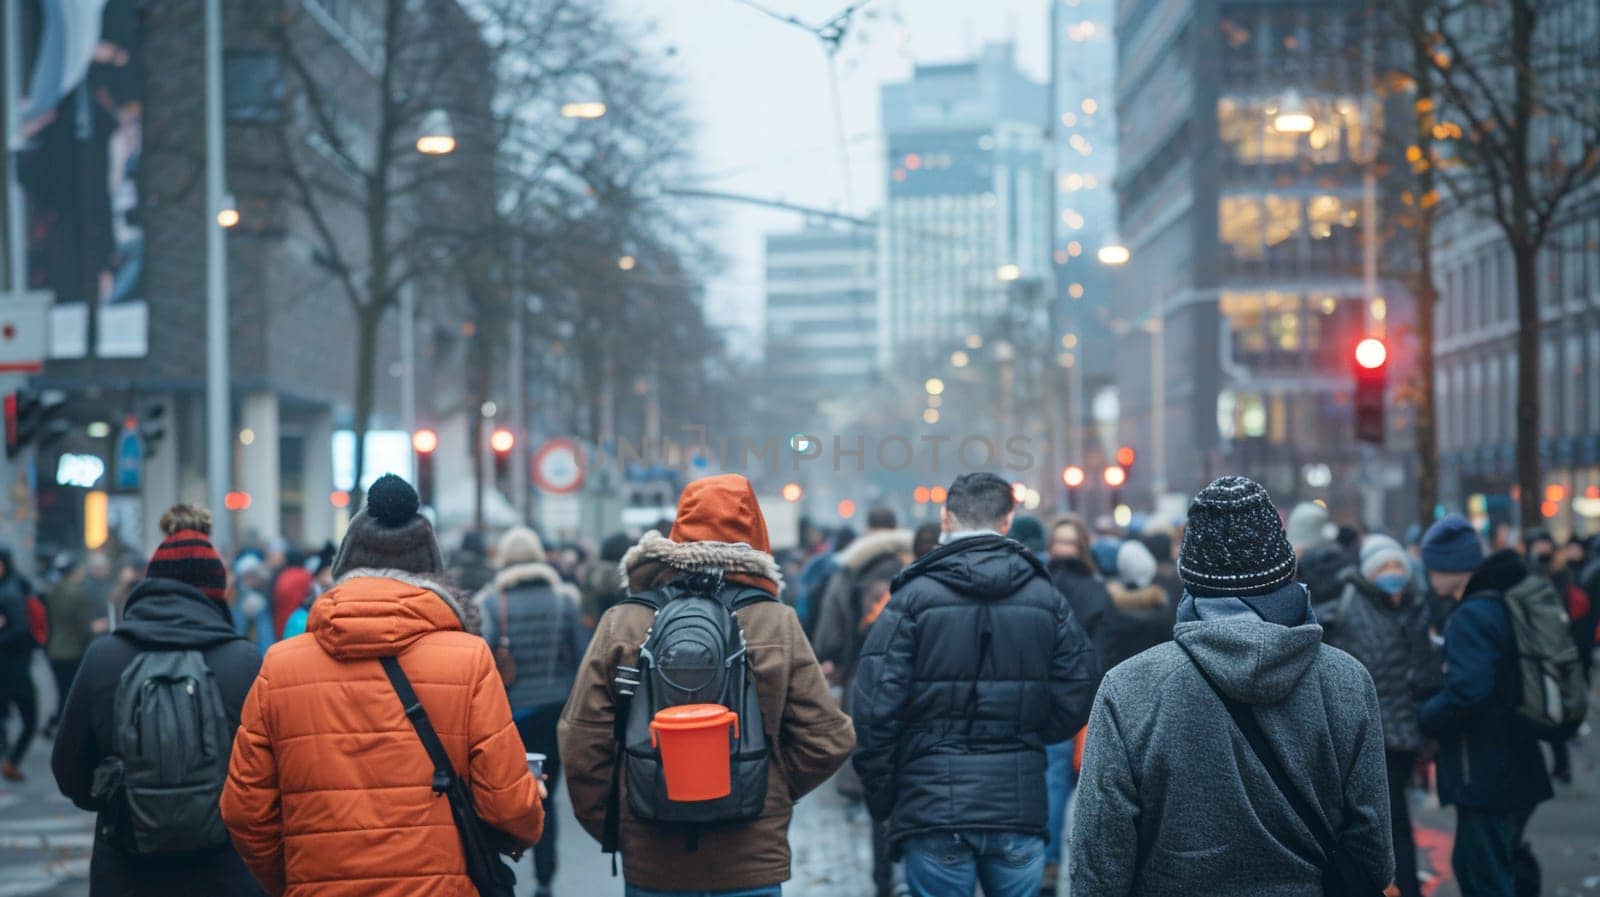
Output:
x=1285 y=233
x=253 y=86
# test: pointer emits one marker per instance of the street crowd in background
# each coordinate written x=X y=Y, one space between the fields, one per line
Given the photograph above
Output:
x=1032 y=706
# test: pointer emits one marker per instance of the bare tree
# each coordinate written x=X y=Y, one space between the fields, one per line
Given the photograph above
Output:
x=1518 y=132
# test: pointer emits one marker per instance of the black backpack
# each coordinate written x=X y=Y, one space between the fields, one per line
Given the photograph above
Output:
x=694 y=653
x=171 y=746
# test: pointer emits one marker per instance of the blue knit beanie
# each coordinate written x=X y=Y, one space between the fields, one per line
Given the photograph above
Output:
x=1451 y=545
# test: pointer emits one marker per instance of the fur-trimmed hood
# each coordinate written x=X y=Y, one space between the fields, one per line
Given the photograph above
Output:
x=873 y=545
x=524 y=574
x=656 y=560
x=373 y=612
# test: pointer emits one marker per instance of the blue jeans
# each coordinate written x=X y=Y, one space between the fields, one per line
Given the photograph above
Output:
x=1489 y=857
x=768 y=891
x=1059 y=782
x=949 y=864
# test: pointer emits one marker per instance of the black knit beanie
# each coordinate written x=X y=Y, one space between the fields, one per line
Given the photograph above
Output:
x=1234 y=544
x=389 y=534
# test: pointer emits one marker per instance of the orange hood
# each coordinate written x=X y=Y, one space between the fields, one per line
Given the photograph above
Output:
x=379 y=613
x=719 y=526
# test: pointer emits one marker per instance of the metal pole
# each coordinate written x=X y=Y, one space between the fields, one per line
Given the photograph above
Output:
x=408 y=359
x=517 y=372
x=218 y=422
x=16 y=246
x=1158 y=421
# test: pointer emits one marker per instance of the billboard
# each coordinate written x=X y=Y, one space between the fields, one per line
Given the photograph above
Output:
x=79 y=167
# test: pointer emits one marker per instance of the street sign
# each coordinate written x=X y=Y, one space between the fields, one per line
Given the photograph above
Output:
x=130 y=459
x=558 y=467
x=24 y=332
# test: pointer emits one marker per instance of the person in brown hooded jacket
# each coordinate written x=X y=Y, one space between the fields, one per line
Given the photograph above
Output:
x=719 y=526
x=329 y=787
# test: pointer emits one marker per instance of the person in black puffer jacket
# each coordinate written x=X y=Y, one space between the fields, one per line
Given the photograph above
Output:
x=1140 y=616
x=1382 y=620
x=544 y=630
x=1073 y=571
x=975 y=665
x=181 y=605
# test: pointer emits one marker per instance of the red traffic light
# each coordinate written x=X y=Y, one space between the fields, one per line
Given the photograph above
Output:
x=236 y=501
x=425 y=441
x=1115 y=477
x=502 y=441
x=1125 y=456
x=1371 y=353
x=1073 y=476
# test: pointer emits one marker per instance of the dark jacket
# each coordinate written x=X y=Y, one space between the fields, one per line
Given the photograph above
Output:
x=548 y=638
x=16 y=633
x=1139 y=619
x=866 y=568
x=1173 y=803
x=1087 y=596
x=1391 y=641
x=1322 y=570
x=975 y=665
x=1487 y=759
x=72 y=615
x=159 y=614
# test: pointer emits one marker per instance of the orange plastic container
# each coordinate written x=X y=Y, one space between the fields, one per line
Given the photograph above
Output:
x=693 y=739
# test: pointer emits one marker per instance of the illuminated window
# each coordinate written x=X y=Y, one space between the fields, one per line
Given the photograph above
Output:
x=1282 y=218
x=1239 y=226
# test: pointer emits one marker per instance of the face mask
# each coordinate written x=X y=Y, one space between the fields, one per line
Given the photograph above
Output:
x=1391 y=583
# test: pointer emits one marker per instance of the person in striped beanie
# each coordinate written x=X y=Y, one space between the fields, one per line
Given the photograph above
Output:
x=187 y=555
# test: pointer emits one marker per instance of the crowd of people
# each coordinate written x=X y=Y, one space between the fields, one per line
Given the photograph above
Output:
x=1030 y=706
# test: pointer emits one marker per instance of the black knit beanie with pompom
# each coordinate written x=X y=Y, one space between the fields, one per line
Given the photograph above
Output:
x=389 y=534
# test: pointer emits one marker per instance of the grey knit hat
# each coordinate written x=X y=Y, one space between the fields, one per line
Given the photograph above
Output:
x=1234 y=544
x=389 y=534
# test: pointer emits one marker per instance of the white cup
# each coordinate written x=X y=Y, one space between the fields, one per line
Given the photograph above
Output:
x=536 y=765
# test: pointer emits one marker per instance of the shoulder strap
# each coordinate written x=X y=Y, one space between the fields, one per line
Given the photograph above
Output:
x=1245 y=719
x=443 y=772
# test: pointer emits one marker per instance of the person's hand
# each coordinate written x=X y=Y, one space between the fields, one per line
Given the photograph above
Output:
x=544 y=792
x=828 y=669
x=2 y=621
x=99 y=625
x=1393 y=890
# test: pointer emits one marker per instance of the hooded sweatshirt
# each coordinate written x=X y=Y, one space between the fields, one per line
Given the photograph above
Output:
x=1174 y=802
x=329 y=788
x=719 y=525
x=160 y=614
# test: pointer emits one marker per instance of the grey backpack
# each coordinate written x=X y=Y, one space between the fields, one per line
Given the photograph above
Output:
x=172 y=742
x=1553 y=696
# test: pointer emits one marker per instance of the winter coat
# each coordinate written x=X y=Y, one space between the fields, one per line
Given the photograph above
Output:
x=160 y=614
x=470 y=570
x=1391 y=642
x=597 y=582
x=72 y=616
x=1086 y=594
x=16 y=632
x=547 y=635
x=1172 y=800
x=1488 y=760
x=328 y=790
x=866 y=567
x=809 y=736
x=1322 y=570
x=290 y=590
x=976 y=664
x=1138 y=619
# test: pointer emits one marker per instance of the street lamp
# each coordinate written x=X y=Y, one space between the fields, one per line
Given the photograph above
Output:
x=1008 y=272
x=228 y=213
x=589 y=109
x=1292 y=116
x=436 y=137
x=1113 y=253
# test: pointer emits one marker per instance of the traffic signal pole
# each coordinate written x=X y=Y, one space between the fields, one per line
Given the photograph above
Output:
x=14 y=482
x=219 y=459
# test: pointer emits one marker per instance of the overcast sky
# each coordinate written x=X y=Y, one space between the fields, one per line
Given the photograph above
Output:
x=757 y=91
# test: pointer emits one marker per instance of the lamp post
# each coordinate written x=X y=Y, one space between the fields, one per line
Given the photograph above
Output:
x=219 y=466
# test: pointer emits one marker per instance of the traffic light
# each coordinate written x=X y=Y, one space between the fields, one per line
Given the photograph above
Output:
x=153 y=428
x=501 y=442
x=1125 y=458
x=1115 y=476
x=424 y=443
x=1073 y=476
x=1372 y=378
x=32 y=417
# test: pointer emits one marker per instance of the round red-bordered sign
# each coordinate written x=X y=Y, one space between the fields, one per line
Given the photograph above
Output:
x=558 y=467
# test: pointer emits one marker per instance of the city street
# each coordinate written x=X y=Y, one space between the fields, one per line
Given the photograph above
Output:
x=45 y=841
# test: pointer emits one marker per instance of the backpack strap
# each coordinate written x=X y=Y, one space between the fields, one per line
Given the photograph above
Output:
x=624 y=685
x=443 y=772
x=1245 y=719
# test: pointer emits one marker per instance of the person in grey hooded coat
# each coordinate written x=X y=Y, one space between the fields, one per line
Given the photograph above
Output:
x=1173 y=800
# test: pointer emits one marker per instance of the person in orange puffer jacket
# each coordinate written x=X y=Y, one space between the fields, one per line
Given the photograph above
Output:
x=328 y=791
